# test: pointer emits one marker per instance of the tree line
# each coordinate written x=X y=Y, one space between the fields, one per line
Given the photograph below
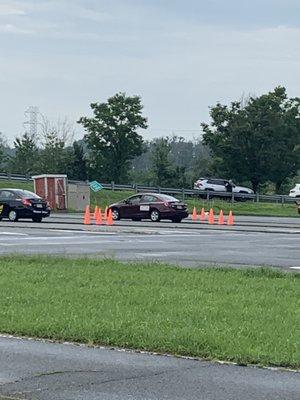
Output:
x=254 y=141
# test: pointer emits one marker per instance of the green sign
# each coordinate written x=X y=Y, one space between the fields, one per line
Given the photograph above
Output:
x=95 y=186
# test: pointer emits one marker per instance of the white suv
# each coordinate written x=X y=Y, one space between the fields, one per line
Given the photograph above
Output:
x=218 y=185
x=295 y=192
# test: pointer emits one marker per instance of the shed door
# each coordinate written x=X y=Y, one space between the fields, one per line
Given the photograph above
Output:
x=60 y=194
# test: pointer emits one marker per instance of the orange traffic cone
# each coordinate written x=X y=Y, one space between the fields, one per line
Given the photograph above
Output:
x=211 y=217
x=230 y=220
x=221 y=218
x=202 y=215
x=87 y=216
x=95 y=212
x=194 y=215
x=109 y=220
x=99 y=217
x=105 y=215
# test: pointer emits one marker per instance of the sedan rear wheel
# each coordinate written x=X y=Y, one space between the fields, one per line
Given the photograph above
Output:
x=155 y=215
x=177 y=220
x=13 y=216
x=115 y=214
x=37 y=219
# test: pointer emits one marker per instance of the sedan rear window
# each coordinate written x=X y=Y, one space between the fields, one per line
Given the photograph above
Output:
x=165 y=197
x=149 y=199
x=26 y=194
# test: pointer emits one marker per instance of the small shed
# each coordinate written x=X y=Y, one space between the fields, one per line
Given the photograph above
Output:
x=52 y=188
x=78 y=196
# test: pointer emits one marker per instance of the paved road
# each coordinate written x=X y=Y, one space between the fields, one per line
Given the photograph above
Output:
x=243 y=223
x=46 y=371
x=187 y=247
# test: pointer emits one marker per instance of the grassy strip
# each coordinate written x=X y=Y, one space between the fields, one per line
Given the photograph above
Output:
x=16 y=185
x=106 y=197
x=246 y=316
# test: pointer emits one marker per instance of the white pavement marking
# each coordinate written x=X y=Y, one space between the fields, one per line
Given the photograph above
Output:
x=38 y=238
x=13 y=233
x=160 y=254
x=82 y=232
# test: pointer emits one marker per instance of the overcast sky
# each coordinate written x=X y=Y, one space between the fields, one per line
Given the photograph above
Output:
x=180 y=56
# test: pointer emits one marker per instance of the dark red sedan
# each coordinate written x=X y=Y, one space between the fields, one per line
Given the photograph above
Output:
x=152 y=206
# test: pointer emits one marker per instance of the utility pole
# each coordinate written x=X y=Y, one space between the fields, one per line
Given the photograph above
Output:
x=31 y=123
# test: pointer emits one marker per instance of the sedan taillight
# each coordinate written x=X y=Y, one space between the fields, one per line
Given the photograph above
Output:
x=26 y=202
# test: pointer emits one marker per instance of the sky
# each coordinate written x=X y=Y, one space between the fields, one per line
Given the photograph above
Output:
x=180 y=56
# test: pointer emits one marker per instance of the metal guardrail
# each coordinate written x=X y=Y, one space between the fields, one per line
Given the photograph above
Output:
x=205 y=194
x=208 y=195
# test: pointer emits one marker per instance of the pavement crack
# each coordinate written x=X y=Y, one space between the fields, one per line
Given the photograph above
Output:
x=86 y=371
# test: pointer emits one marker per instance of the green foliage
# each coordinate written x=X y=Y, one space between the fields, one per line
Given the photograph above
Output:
x=77 y=168
x=161 y=164
x=112 y=136
x=26 y=155
x=257 y=142
x=3 y=157
x=228 y=314
x=55 y=157
x=184 y=161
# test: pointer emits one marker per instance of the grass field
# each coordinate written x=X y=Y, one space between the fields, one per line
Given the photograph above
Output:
x=249 y=316
x=107 y=197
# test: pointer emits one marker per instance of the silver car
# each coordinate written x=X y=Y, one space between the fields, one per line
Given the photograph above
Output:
x=219 y=185
x=295 y=192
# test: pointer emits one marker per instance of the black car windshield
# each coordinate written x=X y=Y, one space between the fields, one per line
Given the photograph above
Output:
x=25 y=194
x=165 y=197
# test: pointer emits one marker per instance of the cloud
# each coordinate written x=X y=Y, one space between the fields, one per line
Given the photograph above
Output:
x=93 y=15
x=9 y=28
x=11 y=9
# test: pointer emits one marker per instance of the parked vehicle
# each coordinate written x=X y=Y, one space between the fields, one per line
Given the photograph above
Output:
x=295 y=192
x=219 y=185
x=151 y=206
x=17 y=203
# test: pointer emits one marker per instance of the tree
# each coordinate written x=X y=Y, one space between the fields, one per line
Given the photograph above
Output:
x=78 y=168
x=56 y=155
x=3 y=157
x=26 y=155
x=161 y=165
x=257 y=141
x=187 y=161
x=112 y=136
x=55 y=158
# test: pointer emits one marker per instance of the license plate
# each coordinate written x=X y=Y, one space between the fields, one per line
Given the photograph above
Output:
x=180 y=207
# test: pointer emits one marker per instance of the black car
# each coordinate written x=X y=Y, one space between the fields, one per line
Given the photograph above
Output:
x=152 y=206
x=18 y=203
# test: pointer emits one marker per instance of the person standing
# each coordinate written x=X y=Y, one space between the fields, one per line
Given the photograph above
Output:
x=229 y=186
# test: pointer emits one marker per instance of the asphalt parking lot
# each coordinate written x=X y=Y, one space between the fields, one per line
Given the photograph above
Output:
x=251 y=242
